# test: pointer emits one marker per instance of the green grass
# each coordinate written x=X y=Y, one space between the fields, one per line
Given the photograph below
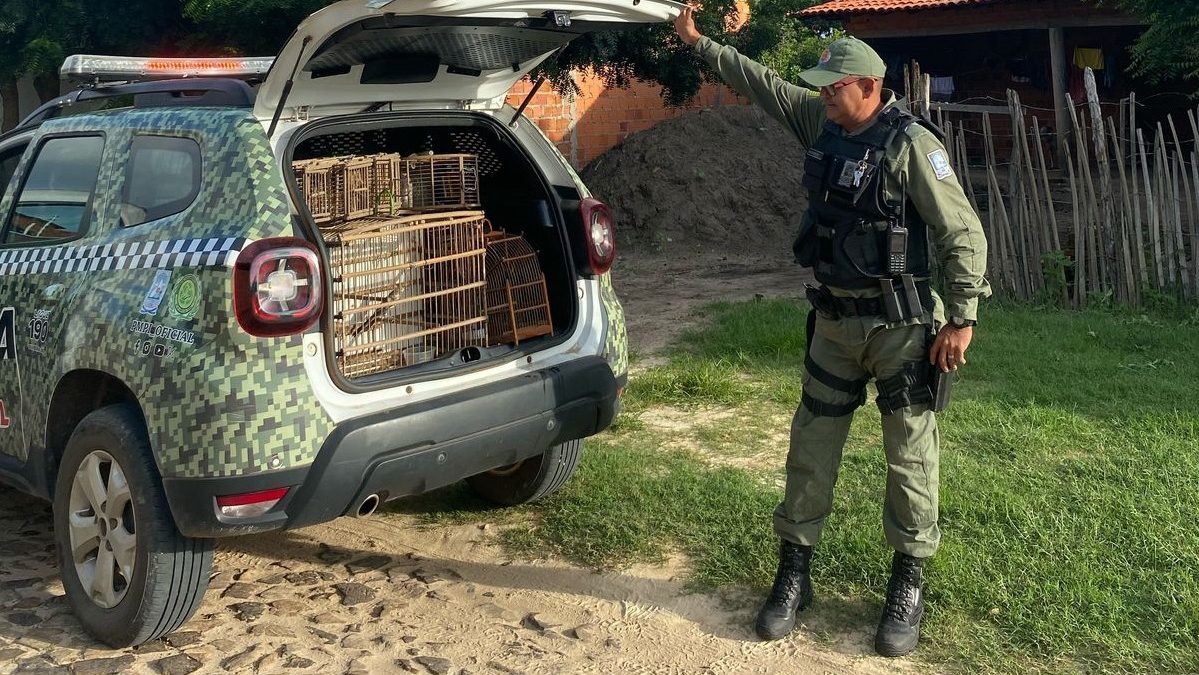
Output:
x=1069 y=487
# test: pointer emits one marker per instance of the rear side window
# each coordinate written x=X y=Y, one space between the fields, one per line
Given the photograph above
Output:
x=8 y=166
x=56 y=198
x=163 y=178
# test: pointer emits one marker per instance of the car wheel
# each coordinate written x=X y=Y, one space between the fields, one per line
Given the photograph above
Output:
x=530 y=479
x=129 y=575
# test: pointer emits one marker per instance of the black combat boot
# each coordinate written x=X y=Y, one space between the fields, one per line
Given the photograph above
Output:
x=792 y=592
x=899 y=629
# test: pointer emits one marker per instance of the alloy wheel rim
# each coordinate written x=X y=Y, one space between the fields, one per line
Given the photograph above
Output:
x=102 y=530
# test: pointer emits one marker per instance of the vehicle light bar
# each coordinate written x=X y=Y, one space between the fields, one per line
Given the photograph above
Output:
x=91 y=68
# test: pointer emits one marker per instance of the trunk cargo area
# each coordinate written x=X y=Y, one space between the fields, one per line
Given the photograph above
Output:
x=445 y=243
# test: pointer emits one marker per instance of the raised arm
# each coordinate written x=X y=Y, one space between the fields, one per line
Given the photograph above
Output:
x=798 y=108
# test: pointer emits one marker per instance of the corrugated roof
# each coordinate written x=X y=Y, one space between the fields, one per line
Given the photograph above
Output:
x=844 y=7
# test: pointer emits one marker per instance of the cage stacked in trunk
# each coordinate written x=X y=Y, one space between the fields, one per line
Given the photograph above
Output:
x=413 y=276
x=518 y=305
x=406 y=289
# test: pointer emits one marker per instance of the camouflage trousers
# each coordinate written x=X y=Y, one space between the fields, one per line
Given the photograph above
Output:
x=844 y=354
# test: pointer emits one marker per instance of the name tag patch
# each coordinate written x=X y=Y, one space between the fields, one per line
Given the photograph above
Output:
x=940 y=164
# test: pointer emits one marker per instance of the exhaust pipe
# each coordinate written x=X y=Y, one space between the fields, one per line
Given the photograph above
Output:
x=368 y=506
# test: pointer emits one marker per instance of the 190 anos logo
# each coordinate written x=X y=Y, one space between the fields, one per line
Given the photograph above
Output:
x=39 y=327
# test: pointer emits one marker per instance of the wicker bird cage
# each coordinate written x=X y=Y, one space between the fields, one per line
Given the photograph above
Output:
x=316 y=180
x=390 y=186
x=518 y=305
x=444 y=181
x=406 y=290
x=353 y=176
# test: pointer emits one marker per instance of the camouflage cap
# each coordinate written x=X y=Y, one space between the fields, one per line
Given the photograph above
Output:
x=847 y=57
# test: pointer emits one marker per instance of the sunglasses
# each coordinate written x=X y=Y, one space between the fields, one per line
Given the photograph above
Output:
x=832 y=89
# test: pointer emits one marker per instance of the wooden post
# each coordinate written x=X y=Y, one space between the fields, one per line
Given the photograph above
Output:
x=1133 y=293
x=1166 y=199
x=1154 y=230
x=1054 y=239
x=1181 y=190
x=907 y=84
x=927 y=95
x=1195 y=224
x=1098 y=265
x=1080 y=247
x=1006 y=237
x=995 y=266
x=1016 y=191
x=1029 y=197
x=1184 y=201
x=1102 y=161
x=1131 y=150
x=1151 y=210
x=1057 y=66
x=1138 y=231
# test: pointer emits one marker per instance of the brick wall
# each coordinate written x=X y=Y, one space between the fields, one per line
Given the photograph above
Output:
x=601 y=117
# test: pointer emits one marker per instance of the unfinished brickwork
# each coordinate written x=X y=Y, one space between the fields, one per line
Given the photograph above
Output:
x=599 y=117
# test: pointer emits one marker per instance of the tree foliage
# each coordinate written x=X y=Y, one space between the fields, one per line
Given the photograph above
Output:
x=247 y=27
x=1167 y=49
x=792 y=45
x=36 y=35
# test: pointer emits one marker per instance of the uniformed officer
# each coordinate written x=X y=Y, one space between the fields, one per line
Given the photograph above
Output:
x=880 y=186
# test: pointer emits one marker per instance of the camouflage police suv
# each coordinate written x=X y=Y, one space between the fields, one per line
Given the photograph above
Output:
x=173 y=314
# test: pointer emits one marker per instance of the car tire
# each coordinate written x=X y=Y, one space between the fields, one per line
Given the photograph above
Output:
x=530 y=479
x=156 y=577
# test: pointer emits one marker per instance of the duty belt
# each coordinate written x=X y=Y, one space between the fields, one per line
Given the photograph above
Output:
x=836 y=307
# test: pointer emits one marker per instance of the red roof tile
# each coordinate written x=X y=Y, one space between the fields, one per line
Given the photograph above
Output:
x=844 y=7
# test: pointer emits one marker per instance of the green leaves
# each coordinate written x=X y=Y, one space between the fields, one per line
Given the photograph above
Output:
x=1167 y=49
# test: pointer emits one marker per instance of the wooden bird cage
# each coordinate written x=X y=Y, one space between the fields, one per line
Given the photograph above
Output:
x=407 y=289
x=444 y=181
x=353 y=175
x=390 y=186
x=518 y=305
x=316 y=180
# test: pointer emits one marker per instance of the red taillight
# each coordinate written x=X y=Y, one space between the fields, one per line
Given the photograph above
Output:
x=600 y=234
x=250 y=504
x=277 y=287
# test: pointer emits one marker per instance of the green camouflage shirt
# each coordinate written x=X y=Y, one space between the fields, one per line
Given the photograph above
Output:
x=956 y=231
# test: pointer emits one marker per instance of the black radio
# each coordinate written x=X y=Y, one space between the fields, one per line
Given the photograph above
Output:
x=897 y=250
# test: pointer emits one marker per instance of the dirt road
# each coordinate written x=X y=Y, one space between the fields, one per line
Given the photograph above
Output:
x=383 y=595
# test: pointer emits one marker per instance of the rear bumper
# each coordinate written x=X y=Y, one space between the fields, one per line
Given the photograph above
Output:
x=415 y=449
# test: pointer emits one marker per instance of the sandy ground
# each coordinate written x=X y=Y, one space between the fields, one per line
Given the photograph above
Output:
x=384 y=595
x=662 y=292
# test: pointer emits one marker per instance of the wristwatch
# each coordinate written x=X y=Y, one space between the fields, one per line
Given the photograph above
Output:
x=962 y=323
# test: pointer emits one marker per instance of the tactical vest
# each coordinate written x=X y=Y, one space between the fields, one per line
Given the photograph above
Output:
x=844 y=235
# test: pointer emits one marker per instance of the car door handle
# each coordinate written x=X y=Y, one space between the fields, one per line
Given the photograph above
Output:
x=52 y=292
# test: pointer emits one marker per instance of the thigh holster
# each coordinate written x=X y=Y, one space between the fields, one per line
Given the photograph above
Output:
x=825 y=409
x=909 y=386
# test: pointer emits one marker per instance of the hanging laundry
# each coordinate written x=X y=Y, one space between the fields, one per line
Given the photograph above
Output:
x=1077 y=85
x=1109 y=73
x=941 y=88
x=1085 y=57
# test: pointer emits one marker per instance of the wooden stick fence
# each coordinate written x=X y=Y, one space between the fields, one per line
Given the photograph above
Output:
x=1116 y=217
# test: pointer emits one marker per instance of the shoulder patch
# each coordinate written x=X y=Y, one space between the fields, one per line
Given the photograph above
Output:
x=940 y=164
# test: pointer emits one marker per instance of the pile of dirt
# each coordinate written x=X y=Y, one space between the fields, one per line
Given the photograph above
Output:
x=725 y=178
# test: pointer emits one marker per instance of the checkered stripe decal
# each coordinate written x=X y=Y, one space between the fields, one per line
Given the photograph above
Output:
x=211 y=252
